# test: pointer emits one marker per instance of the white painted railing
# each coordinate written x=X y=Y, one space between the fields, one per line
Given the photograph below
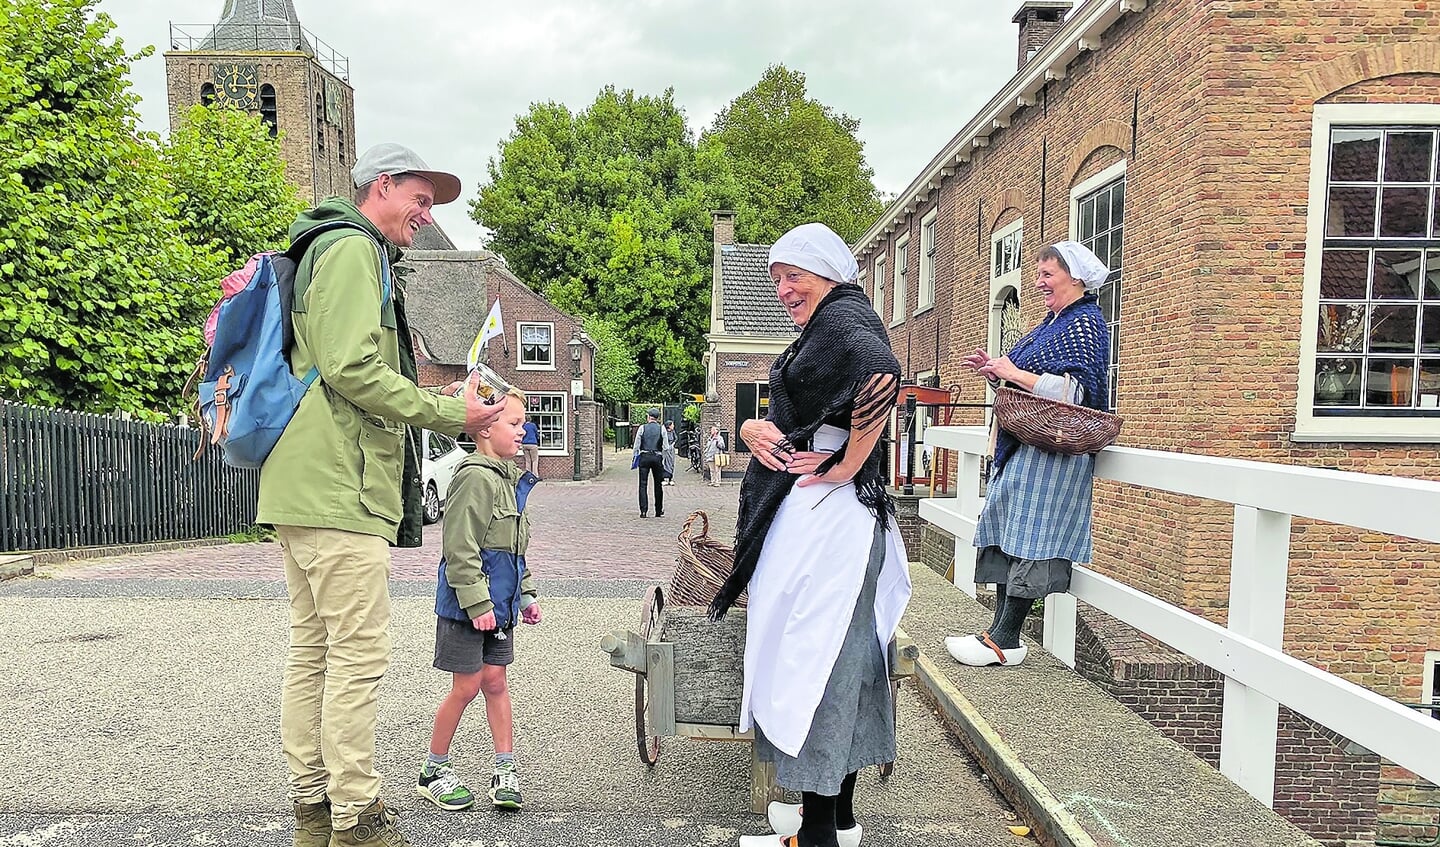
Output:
x=1259 y=675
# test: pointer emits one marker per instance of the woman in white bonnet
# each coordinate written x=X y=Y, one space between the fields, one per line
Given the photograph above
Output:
x=1036 y=520
x=817 y=546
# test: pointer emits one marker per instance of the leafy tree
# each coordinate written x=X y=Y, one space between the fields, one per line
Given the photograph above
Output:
x=100 y=295
x=615 y=368
x=791 y=160
x=230 y=180
x=604 y=211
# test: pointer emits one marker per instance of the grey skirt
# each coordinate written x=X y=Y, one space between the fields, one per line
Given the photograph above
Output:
x=1026 y=578
x=854 y=725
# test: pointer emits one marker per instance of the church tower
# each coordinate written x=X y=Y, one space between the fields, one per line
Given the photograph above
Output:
x=259 y=58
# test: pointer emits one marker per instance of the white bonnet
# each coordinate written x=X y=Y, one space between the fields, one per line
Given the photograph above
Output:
x=1083 y=264
x=816 y=248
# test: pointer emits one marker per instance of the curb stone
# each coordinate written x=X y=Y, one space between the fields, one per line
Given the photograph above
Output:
x=1053 y=824
x=15 y=566
x=71 y=554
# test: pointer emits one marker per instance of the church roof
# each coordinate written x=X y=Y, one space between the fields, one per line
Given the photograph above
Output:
x=258 y=26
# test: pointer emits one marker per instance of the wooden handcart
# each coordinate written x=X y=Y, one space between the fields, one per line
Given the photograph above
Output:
x=689 y=670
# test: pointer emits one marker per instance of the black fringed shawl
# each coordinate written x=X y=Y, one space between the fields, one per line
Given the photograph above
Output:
x=825 y=377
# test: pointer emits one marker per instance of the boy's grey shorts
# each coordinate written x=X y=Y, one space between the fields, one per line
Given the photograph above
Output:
x=461 y=648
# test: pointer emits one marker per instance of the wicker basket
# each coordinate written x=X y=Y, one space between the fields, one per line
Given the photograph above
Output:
x=1054 y=426
x=702 y=565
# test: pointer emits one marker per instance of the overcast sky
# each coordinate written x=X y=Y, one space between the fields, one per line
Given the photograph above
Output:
x=448 y=77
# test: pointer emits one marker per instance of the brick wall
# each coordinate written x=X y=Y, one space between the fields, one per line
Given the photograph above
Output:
x=1210 y=107
x=721 y=412
x=1323 y=784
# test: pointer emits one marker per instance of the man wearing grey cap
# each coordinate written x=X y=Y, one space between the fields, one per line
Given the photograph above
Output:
x=342 y=485
x=650 y=460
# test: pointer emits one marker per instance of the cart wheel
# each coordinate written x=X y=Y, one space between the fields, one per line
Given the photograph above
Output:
x=889 y=767
x=645 y=738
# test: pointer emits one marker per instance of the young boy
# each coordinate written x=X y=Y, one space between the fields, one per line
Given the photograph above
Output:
x=483 y=588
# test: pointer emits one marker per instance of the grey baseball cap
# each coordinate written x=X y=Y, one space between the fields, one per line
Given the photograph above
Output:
x=396 y=159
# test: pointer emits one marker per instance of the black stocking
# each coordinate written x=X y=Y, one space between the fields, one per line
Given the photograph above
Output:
x=999 y=607
x=1006 y=634
x=817 y=825
x=845 y=803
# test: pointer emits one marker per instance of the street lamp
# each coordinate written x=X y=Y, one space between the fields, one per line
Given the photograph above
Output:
x=576 y=389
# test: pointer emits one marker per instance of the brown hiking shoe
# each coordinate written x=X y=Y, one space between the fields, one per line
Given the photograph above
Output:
x=312 y=824
x=375 y=828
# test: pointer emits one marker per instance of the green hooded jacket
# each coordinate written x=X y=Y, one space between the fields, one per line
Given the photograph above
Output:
x=345 y=460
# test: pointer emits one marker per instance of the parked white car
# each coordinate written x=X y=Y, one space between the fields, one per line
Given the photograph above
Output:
x=440 y=456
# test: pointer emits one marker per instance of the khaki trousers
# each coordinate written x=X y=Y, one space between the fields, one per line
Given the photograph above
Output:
x=532 y=458
x=339 y=650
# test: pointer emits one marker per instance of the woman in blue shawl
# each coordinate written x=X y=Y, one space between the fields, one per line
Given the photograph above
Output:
x=1036 y=520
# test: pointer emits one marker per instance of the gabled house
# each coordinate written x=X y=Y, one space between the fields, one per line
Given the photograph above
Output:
x=748 y=330
x=448 y=297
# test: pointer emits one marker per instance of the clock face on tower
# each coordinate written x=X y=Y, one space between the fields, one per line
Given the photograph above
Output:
x=240 y=84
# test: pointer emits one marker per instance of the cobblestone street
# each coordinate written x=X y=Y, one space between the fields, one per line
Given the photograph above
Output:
x=584 y=530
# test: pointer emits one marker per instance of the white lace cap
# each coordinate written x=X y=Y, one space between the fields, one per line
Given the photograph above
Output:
x=1084 y=265
x=816 y=248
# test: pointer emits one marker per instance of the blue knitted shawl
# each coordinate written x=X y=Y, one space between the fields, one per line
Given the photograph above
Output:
x=1074 y=342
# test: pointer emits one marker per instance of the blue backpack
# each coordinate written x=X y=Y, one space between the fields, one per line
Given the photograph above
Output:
x=246 y=390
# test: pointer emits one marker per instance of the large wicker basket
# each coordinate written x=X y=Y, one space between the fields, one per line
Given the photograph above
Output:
x=1054 y=426
x=702 y=565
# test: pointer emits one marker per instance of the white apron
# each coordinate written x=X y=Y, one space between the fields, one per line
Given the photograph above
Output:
x=802 y=596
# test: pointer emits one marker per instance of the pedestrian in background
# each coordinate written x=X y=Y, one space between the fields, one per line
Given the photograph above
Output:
x=670 y=446
x=649 y=459
x=714 y=451
x=343 y=484
x=531 y=446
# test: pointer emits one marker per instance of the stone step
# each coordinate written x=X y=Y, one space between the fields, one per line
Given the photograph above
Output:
x=1075 y=763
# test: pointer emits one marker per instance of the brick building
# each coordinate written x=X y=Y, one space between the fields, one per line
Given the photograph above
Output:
x=748 y=330
x=1260 y=176
x=259 y=58
x=448 y=297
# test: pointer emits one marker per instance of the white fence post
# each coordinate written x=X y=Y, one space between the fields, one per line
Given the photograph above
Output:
x=1259 y=569
x=1061 y=619
x=967 y=480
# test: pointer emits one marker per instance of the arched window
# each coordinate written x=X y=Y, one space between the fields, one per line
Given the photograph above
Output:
x=340 y=144
x=267 y=108
x=207 y=93
x=319 y=124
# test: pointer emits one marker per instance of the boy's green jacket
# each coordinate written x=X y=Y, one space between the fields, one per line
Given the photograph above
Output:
x=486 y=535
x=342 y=458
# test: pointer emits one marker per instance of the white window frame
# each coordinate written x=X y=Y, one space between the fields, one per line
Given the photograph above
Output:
x=878 y=297
x=564 y=448
x=1111 y=174
x=520 y=364
x=1308 y=426
x=1427 y=686
x=1013 y=279
x=900 y=293
x=925 y=295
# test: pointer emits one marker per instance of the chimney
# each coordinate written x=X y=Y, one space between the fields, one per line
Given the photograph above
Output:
x=724 y=223
x=1039 y=20
x=724 y=228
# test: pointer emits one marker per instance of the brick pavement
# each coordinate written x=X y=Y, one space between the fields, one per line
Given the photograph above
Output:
x=582 y=530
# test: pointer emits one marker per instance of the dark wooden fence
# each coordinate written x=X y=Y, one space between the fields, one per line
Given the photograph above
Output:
x=75 y=480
